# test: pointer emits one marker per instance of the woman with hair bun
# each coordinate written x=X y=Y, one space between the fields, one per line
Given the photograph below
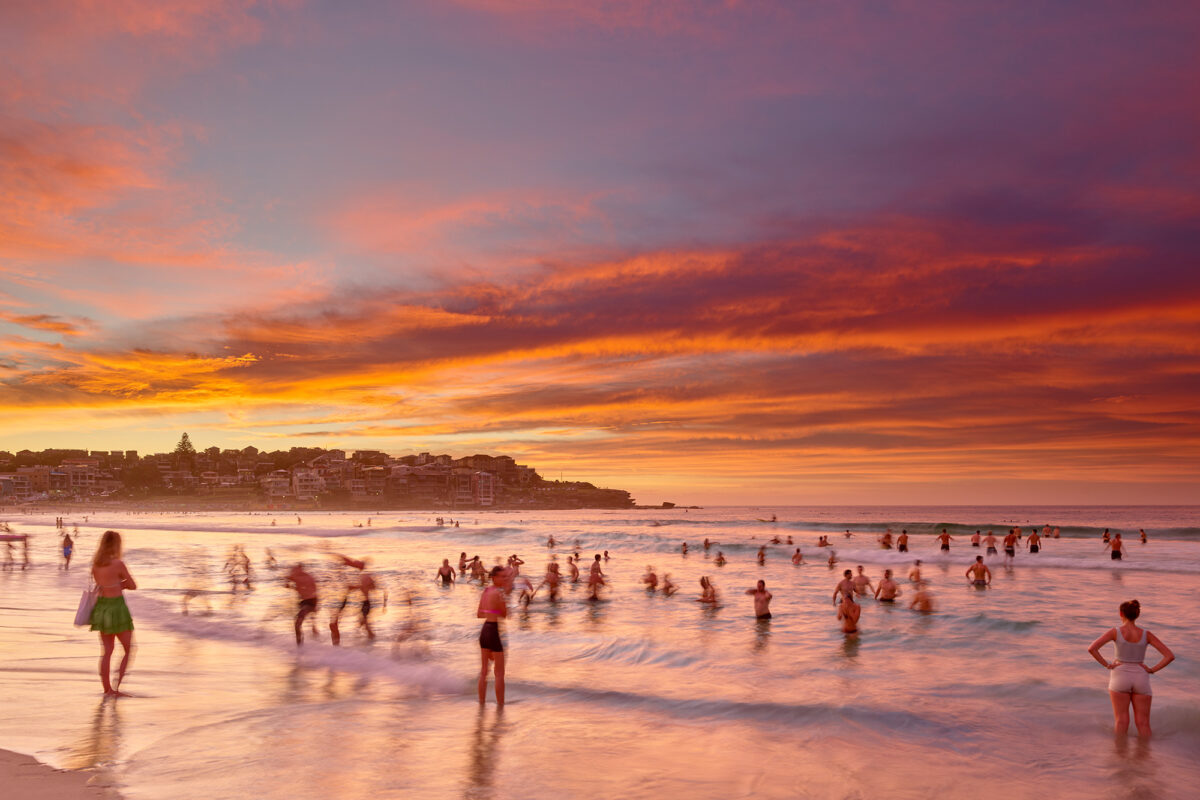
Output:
x=111 y=616
x=1129 y=677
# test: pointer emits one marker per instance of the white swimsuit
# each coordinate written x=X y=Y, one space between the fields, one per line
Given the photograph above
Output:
x=1129 y=676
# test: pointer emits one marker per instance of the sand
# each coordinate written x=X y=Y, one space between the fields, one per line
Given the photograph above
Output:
x=26 y=778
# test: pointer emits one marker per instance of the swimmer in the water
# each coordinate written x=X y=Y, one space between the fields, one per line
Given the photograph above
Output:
x=446 y=572
x=1142 y=533
x=979 y=572
x=844 y=586
x=990 y=541
x=914 y=574
x=682 y=549
x=832 y=559
x=885 y=541
x=1034 y=543
x=762 y=555
x=902 y=541
x=708 y=592
x=552 y=580
x=720 y=559
x=887 y=591
x=797 y=557
x=862 y=584
x=762 y=600
x=668 y=587
x=975 y=539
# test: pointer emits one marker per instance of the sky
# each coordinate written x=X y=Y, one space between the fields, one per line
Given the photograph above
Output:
x=710 y=252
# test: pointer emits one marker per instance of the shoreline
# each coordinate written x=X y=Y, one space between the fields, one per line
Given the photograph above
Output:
x=29 y=779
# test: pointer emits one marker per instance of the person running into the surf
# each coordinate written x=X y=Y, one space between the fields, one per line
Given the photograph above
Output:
x=979 y=573
x=492 y=608
x=945 y=538
x=885 y=541
x=832 y=561
x=844 y=586
x=573 y=564
x=914 y=574
x=975 y=539
x=887 y=591
x=848 y=614
x=990 y=542
x=1010 y=547
x=797 y=557
x=1034 y=543
x=762 y=600
x=902 y=541
x=68 y=547
x=1142 y=533
x=446 y=573
x=306 y=587
x=1116 y=545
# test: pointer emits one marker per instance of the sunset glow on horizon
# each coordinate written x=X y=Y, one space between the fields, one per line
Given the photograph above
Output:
x=715 y=252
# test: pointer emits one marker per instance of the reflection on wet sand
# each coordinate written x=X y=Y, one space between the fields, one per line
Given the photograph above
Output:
x=99 y=748
x=485 y=753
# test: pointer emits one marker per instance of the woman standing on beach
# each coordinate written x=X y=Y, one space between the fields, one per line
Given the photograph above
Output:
x=111 y=616
x=1129 y=677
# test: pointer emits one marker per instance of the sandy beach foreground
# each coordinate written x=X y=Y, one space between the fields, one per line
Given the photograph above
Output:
x=28 y=779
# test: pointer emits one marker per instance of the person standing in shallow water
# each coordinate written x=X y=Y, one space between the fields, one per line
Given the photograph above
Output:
x=762 y=600
x=111 y=616
x=1129 y=677
x=493 y=607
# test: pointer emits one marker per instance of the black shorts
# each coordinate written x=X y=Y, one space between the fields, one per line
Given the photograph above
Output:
x=1033 y=548
x=764 y=616
x=974 y=544
x=489 y=637
x=1010 y=551
x=887 y=599
x=945 y=547
x=991 y=551
x=1116 y=556
x=903 y=548
x=309 y=603
x=366 y=607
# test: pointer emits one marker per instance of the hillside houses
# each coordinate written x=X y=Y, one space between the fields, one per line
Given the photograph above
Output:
x=309 y=477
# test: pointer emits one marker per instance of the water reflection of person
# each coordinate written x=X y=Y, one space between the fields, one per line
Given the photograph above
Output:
x=485 y=751
x=100 y=747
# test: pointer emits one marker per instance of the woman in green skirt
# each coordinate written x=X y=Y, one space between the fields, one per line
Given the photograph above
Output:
x=111 y=616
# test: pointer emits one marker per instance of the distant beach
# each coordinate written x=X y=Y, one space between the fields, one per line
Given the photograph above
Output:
x=638 y=695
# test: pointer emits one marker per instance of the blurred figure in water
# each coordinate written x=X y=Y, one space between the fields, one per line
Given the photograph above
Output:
x=110 y=615
x=195 y=567
x=922 y=599
x=1129 y=677
x=848 y=613
x=271 y=562
x=708 y=592
x=595 y=580
x=650 y=579
x=306 y=587
x=668 y=588
x=887 y=590
x=68 y=547
x=492 y=608
x=446 y=573
x=720 y=559
x=762 y=555
x=238 y=568
x=797 y=557
x=364 y=584
x=573 y=564
x=552 y=580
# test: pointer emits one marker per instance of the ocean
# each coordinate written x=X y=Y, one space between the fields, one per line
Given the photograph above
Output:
x=636 y=696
